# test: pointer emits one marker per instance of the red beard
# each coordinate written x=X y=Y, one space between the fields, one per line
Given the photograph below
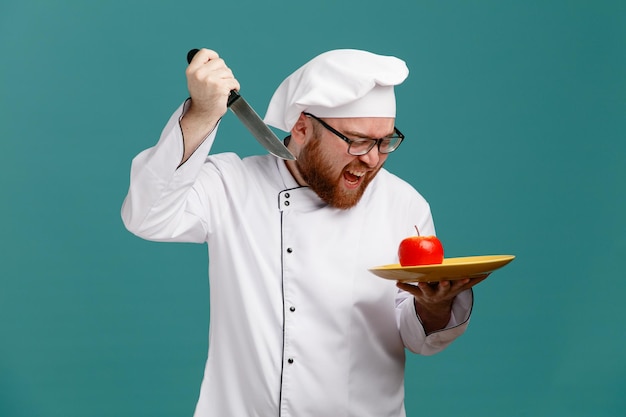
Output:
x=317 y=172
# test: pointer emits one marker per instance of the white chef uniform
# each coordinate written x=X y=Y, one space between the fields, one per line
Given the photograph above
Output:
x=298 y=326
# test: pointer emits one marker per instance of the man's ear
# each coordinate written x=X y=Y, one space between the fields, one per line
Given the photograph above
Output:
x=301 y=129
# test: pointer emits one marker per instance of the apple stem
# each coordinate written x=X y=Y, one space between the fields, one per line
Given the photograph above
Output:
x=417 y=230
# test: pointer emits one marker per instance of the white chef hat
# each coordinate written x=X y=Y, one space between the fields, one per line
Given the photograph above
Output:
x=339 y=83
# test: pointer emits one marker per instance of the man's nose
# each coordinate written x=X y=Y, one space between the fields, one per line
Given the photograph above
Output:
x=372 y=158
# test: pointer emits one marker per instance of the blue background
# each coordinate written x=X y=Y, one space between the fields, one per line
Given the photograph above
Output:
x=514 y=113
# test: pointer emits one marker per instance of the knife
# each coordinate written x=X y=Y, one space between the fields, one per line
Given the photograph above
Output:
x=253 y=122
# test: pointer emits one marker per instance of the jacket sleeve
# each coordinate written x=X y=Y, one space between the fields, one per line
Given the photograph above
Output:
x=161 y=203
x=412 y=332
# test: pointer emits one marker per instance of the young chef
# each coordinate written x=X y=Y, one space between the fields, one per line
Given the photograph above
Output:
x=298 y=326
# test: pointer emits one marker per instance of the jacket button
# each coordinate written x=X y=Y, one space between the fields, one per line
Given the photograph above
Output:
x=292 y=309
x=289 y=250
x=286 y=203
x=290 y=360
x=286 y=195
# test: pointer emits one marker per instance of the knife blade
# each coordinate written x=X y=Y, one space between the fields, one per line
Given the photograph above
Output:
x=251 y=120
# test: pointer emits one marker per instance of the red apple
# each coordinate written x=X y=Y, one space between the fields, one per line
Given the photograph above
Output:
x=420 y=250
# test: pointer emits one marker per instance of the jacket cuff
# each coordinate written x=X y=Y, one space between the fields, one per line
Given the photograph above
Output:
x=412 y=330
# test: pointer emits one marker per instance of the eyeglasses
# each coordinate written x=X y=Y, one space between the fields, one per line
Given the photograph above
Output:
x=359 y=147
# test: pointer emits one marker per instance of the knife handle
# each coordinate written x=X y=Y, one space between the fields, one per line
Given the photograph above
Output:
x=191 y=54
x=233 y=94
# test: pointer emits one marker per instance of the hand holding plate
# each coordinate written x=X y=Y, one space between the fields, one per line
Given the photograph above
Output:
x=433 y=303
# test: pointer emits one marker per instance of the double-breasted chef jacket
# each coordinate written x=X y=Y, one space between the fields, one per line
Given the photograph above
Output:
x=298 y=325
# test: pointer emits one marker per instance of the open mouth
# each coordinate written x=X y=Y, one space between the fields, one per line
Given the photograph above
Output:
x=353 y=177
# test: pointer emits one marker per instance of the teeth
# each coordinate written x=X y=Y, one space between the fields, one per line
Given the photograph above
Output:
x=357 y=173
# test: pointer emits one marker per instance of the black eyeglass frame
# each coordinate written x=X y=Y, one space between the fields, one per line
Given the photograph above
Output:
x=374 y=142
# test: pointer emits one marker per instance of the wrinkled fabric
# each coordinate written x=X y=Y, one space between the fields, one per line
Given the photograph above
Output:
x=338 y=83
x=298 y=325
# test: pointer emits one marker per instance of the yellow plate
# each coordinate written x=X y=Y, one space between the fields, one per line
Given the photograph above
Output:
x=449 y=269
